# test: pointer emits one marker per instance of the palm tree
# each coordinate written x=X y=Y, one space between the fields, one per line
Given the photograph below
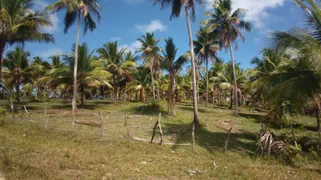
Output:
x=91 y=72
x=265 y=67
x=80 y=11
x=56 y=61
x=205 y=48
x=189 y=6
x=149 y=49
x=225 y=80
x=172 y=65
x=227 y=25
x=18 y=69
x=141 y=82
x=129 y=56
x=301 y=78
x=18 y=24
x=38 y=69
x=115 y=62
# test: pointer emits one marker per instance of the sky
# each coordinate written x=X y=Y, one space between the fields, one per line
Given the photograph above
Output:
x=126 y=20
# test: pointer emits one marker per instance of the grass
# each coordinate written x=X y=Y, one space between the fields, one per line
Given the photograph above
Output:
x=28 y=151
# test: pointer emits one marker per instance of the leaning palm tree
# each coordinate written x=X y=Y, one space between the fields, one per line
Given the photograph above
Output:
x=115 y=62
x=18 y=24
x=227 y=24
x=172 y=65
x=80 y=11
x=206 y=47
x=189 y=7
x=149 y=50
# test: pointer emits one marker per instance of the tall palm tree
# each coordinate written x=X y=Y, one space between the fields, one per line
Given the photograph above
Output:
x=80 y=11
x=189 y=7
x=18 y=69
x=149 y=50
x=116 y=62
x=206 y=47
x=91 y=72
x=228 y=25
x=172 y=65
x=18 y=24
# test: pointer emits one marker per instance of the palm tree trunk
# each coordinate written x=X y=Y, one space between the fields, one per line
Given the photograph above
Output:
x=206 y=104
x=170 y=93
x=318 y=116
x=82 y=99
x=2 y=49
x=74 y=93
x=152 y=76
x=231 y=99
x=18 y=92
x=115 y=88
x=158 y=94
x=142 y=95
x=193 y=66
x=235 y=84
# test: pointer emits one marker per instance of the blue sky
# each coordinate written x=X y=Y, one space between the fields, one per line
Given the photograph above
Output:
x=126 y=20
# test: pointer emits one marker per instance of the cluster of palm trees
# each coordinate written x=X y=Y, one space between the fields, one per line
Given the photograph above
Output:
x=285 y=80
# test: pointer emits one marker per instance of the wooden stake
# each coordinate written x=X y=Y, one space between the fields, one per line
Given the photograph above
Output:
x=151 y=141
x=160 y=128
x=101 y=122
x=27 y=112
x=126 y=124
x=227 y=139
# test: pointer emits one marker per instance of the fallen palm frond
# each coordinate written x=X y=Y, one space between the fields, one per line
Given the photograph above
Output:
x=269 y=144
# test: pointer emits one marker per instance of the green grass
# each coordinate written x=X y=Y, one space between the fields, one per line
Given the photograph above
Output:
x=28 y=151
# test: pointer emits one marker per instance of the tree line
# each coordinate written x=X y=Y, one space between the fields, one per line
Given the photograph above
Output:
x=285 y=79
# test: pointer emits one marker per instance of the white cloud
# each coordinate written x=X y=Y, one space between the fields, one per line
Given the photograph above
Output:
x=154 y=25
x=257 y=9
x=49 y=52
x=131 y=47
x=40 y=5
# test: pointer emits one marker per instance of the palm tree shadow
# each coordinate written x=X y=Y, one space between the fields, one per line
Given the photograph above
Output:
x=190 y=108
x=212 y=141
x=149 y=109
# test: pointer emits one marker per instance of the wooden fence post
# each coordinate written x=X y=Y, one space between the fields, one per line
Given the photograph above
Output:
x=154 y=130
x=127 y=128
x=160 y=128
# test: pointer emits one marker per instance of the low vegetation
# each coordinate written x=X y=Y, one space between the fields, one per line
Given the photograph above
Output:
x=29 y=151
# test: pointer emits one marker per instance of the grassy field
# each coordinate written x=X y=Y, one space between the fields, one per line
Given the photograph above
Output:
x=29 y=151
